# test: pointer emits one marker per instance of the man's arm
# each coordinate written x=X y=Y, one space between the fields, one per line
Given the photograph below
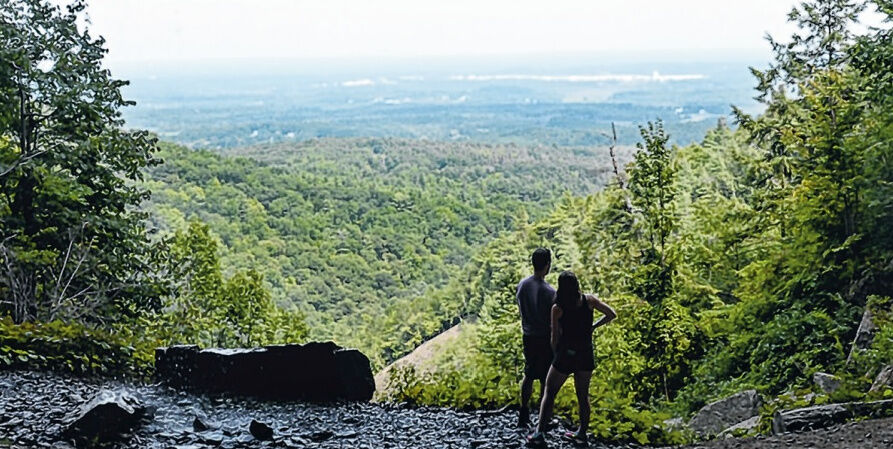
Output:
x=556 y=327
x=601 y=306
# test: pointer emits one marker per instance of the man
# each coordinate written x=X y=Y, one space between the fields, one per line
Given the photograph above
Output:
x=535 y=297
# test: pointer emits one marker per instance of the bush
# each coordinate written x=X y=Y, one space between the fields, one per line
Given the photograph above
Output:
x=72 y=348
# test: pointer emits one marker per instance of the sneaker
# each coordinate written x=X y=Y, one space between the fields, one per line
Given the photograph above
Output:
x=524 y=417
x=536 y=439
x=578 y=439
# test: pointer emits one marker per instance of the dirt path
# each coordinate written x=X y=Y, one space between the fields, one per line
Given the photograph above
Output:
x=420 y=357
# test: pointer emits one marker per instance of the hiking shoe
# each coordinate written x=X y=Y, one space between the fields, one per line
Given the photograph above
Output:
x=578 y=439
x=536 y=440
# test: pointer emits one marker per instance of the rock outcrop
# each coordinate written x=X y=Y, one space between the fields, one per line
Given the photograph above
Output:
x=717 y=416
x=319 y=372
x=820 y=416
x=827 y=383
x=747 y=427
x=864 y=334
x=883 y=380
x=107 y=418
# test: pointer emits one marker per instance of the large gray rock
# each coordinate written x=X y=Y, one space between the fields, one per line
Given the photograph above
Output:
x=717 y=416
x=320 y=372
x=864 y=334
x=826 y=382
x=883 y=380
x=746 y=427
x=107 y=418
x=820 y=416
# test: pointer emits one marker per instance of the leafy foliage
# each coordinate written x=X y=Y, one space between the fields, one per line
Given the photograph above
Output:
x=742 y=262
x=69 y=348
x=82 y=286
x=72 y=240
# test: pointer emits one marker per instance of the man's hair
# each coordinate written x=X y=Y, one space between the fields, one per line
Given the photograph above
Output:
x=540 y=258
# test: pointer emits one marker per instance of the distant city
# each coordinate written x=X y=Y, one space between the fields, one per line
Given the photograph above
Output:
x=525 y=102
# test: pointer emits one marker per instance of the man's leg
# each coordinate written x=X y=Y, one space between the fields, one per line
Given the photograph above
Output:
x=542 y=389
x=526 y=392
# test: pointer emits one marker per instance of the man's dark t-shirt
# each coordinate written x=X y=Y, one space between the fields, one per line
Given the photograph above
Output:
x=535 y=303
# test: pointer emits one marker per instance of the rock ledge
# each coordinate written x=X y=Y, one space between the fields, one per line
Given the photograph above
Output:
x=317 y=372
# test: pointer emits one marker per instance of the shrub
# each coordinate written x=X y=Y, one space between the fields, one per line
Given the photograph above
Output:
x=72 y=348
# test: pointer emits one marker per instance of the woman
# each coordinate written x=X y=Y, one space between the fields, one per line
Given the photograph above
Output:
x=571 y=341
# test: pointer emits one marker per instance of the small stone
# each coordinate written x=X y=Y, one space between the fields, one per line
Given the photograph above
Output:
x=260 y=430
x=322 y=435
x=211 y=438
x=199 y=425
x=348 y=434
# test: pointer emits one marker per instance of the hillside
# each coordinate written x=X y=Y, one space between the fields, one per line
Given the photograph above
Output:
x=352 y=230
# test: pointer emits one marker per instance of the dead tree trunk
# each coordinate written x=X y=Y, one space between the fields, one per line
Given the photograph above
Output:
x=620 y=181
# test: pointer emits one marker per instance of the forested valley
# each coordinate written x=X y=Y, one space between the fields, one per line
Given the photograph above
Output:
x=744 y=261
x=359 y=235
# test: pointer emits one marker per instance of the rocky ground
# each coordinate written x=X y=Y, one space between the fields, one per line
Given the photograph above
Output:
x=875 y=433
x=34 y=407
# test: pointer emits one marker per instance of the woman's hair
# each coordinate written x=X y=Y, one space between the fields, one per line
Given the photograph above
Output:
x=568 y=290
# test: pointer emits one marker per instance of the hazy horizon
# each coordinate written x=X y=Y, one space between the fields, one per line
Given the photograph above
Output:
x=178 y=30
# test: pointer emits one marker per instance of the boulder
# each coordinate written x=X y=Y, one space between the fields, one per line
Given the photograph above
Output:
x=820 y=416
x=814 y=417
x=175 y=364
x=826 y=382
x=107 y=418
x=864 y=334
x=320 y=372
x=883 y=380
x=354 y=368
x=746 y=427
x=260 y=430
x=720 y=415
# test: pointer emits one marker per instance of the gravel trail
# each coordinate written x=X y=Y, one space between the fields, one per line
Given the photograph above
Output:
x=33 y=407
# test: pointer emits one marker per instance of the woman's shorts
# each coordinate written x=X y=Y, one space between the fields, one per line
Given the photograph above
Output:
x=572 y=360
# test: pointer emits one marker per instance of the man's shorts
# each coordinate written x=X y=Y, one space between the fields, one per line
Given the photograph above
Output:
x=537 y=356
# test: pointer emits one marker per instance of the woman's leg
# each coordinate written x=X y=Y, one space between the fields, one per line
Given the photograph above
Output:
x=581 y=384
x=554 y=380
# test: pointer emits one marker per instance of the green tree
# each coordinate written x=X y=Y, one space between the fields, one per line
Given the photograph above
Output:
x=652 y=184
x=73 y=241
x=245 y=307
x=207 y=309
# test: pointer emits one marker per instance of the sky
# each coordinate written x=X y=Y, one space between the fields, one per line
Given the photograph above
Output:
x=174 y=30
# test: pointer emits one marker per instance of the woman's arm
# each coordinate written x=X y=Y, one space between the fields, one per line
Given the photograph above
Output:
x=600 y=305
x=556 y=327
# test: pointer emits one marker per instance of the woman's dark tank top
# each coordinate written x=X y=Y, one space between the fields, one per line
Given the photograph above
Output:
x=576 y=326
